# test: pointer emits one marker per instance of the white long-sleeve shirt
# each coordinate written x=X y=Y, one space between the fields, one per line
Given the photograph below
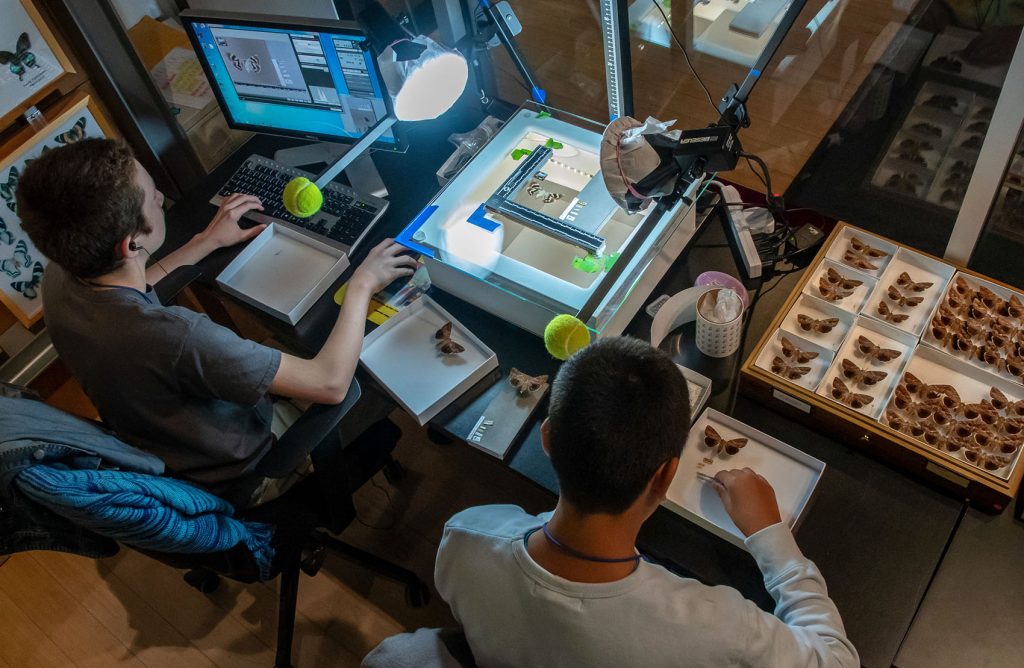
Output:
x=515 y=613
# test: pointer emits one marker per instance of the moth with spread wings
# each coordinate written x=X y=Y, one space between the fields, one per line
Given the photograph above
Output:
x=30 y=288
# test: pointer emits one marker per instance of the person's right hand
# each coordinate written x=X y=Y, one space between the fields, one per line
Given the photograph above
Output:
x=384 y=264
x=748 y=498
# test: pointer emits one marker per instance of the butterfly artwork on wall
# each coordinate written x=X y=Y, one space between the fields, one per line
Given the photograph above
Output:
x=21 y=59
x=75 y=134
x=7 y=189
x=30 y=289
x=14 y=265
x=445 y=344
x=6 y=236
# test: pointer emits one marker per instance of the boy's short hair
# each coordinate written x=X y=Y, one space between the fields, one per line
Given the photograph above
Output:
x=619 y=409
x=77 y=202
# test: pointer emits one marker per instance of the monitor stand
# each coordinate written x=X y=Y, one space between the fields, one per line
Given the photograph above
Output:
x=361 y=172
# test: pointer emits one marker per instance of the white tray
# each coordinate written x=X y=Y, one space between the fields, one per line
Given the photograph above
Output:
x=852 y=303
x=402 y=356
x=792 y=473
x=974 y=282
x=283 y=272
x=972 y=384
x=921 y=269
x=884 y=336
x=819 y=309
x=699 y=389
x=842 y=243
x=819 y=365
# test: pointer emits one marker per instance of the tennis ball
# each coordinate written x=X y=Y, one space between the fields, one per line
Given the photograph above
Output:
x=565 y=335
x=302 y=198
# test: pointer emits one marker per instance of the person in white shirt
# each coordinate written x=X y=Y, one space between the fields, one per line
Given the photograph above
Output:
x=568 y=588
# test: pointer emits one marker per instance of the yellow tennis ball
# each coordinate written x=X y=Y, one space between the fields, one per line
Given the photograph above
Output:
x=302 y=198
x=565 y=335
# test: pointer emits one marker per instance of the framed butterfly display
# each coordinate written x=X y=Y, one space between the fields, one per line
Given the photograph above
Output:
x=32 y=62
x=21 y=263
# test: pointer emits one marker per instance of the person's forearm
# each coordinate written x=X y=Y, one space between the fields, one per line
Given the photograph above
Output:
x=192 y=252
x=340 y=353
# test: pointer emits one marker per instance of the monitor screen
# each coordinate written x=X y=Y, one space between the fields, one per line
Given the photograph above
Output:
x=280 y=78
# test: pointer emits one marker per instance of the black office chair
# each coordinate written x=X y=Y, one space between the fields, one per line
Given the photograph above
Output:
x=323 y=501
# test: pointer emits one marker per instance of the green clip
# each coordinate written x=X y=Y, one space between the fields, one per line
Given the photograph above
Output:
x=552 y=144
x=592 y=264
x=543 y=114
x=520 y=152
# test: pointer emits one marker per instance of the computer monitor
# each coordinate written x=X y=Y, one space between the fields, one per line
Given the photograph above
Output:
x=315 y=79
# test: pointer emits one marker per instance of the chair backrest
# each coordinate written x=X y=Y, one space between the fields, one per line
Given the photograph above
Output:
x=424 y=648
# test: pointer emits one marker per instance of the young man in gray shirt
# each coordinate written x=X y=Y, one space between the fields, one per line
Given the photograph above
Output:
x=167 y=379
x=568 y=588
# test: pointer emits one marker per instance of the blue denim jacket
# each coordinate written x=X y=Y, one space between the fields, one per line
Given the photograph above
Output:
x=32 y=432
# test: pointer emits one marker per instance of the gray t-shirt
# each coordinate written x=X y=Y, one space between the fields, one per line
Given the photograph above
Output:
x=166 y=379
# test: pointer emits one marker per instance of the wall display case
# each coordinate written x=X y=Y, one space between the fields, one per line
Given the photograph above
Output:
x=35 y=63
x=21 y=266
x=917 y=360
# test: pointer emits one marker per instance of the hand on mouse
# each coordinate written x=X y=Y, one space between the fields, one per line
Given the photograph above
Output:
x=748 y=498
x=385 y=263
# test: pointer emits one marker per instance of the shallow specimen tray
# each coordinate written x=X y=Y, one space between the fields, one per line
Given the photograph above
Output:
x=921 y=269
x=819 y=365
x=853 y=302
x=972 y=384
x=792 y=473
x=283 y=272
x=819 y=309
x=881 y=335
x=402 y=355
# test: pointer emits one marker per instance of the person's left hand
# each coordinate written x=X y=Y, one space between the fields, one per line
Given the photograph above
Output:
x=224 y=230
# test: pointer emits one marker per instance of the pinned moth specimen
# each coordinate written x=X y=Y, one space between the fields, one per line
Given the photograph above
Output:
x=923 y=432
x=888 y=315
x=901 y=299
x=833 y=286
x=982 y=412
x=871 y=350
x=908 y=284
x=790 y=351
x=987 y=460
x=973 y=142
x=1015 y=409
x=984 y=113
x=787 y=370
x=859 y=261
x=920 y=410
x=980 y=127
x=526 y=384
x=990 y=299
x=952 y=195
x=856 y=375
x=909 y=144
x=821 y=326
x=999 y=400
x=1012 y=308
x=961 y=288
x=445 y=344
x=928 y=129
x=942 y=101
x=714 y=440
x=1014 y=366
x=840 y=392
x=904 y=182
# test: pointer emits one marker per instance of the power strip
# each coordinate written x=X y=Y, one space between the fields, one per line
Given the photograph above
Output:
x=742 y=225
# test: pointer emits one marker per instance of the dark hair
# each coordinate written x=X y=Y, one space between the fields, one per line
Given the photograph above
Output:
x=78 y=201
x=619 y=410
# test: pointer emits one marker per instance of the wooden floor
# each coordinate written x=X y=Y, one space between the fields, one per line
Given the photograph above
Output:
x=63 y=610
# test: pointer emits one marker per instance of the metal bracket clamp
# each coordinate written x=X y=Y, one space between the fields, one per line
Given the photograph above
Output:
x=501 y=202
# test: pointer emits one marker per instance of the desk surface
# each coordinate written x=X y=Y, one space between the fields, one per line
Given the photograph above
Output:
x=877 y=536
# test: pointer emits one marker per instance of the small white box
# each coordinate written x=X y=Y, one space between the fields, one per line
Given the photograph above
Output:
x=283 y=272
x=402 y=356
x=792 y=473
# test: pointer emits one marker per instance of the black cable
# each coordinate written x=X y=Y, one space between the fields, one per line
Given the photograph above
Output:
x=668 y=24
x=390 y=509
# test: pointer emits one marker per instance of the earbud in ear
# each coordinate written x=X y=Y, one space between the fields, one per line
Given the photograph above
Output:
x=132 y=246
